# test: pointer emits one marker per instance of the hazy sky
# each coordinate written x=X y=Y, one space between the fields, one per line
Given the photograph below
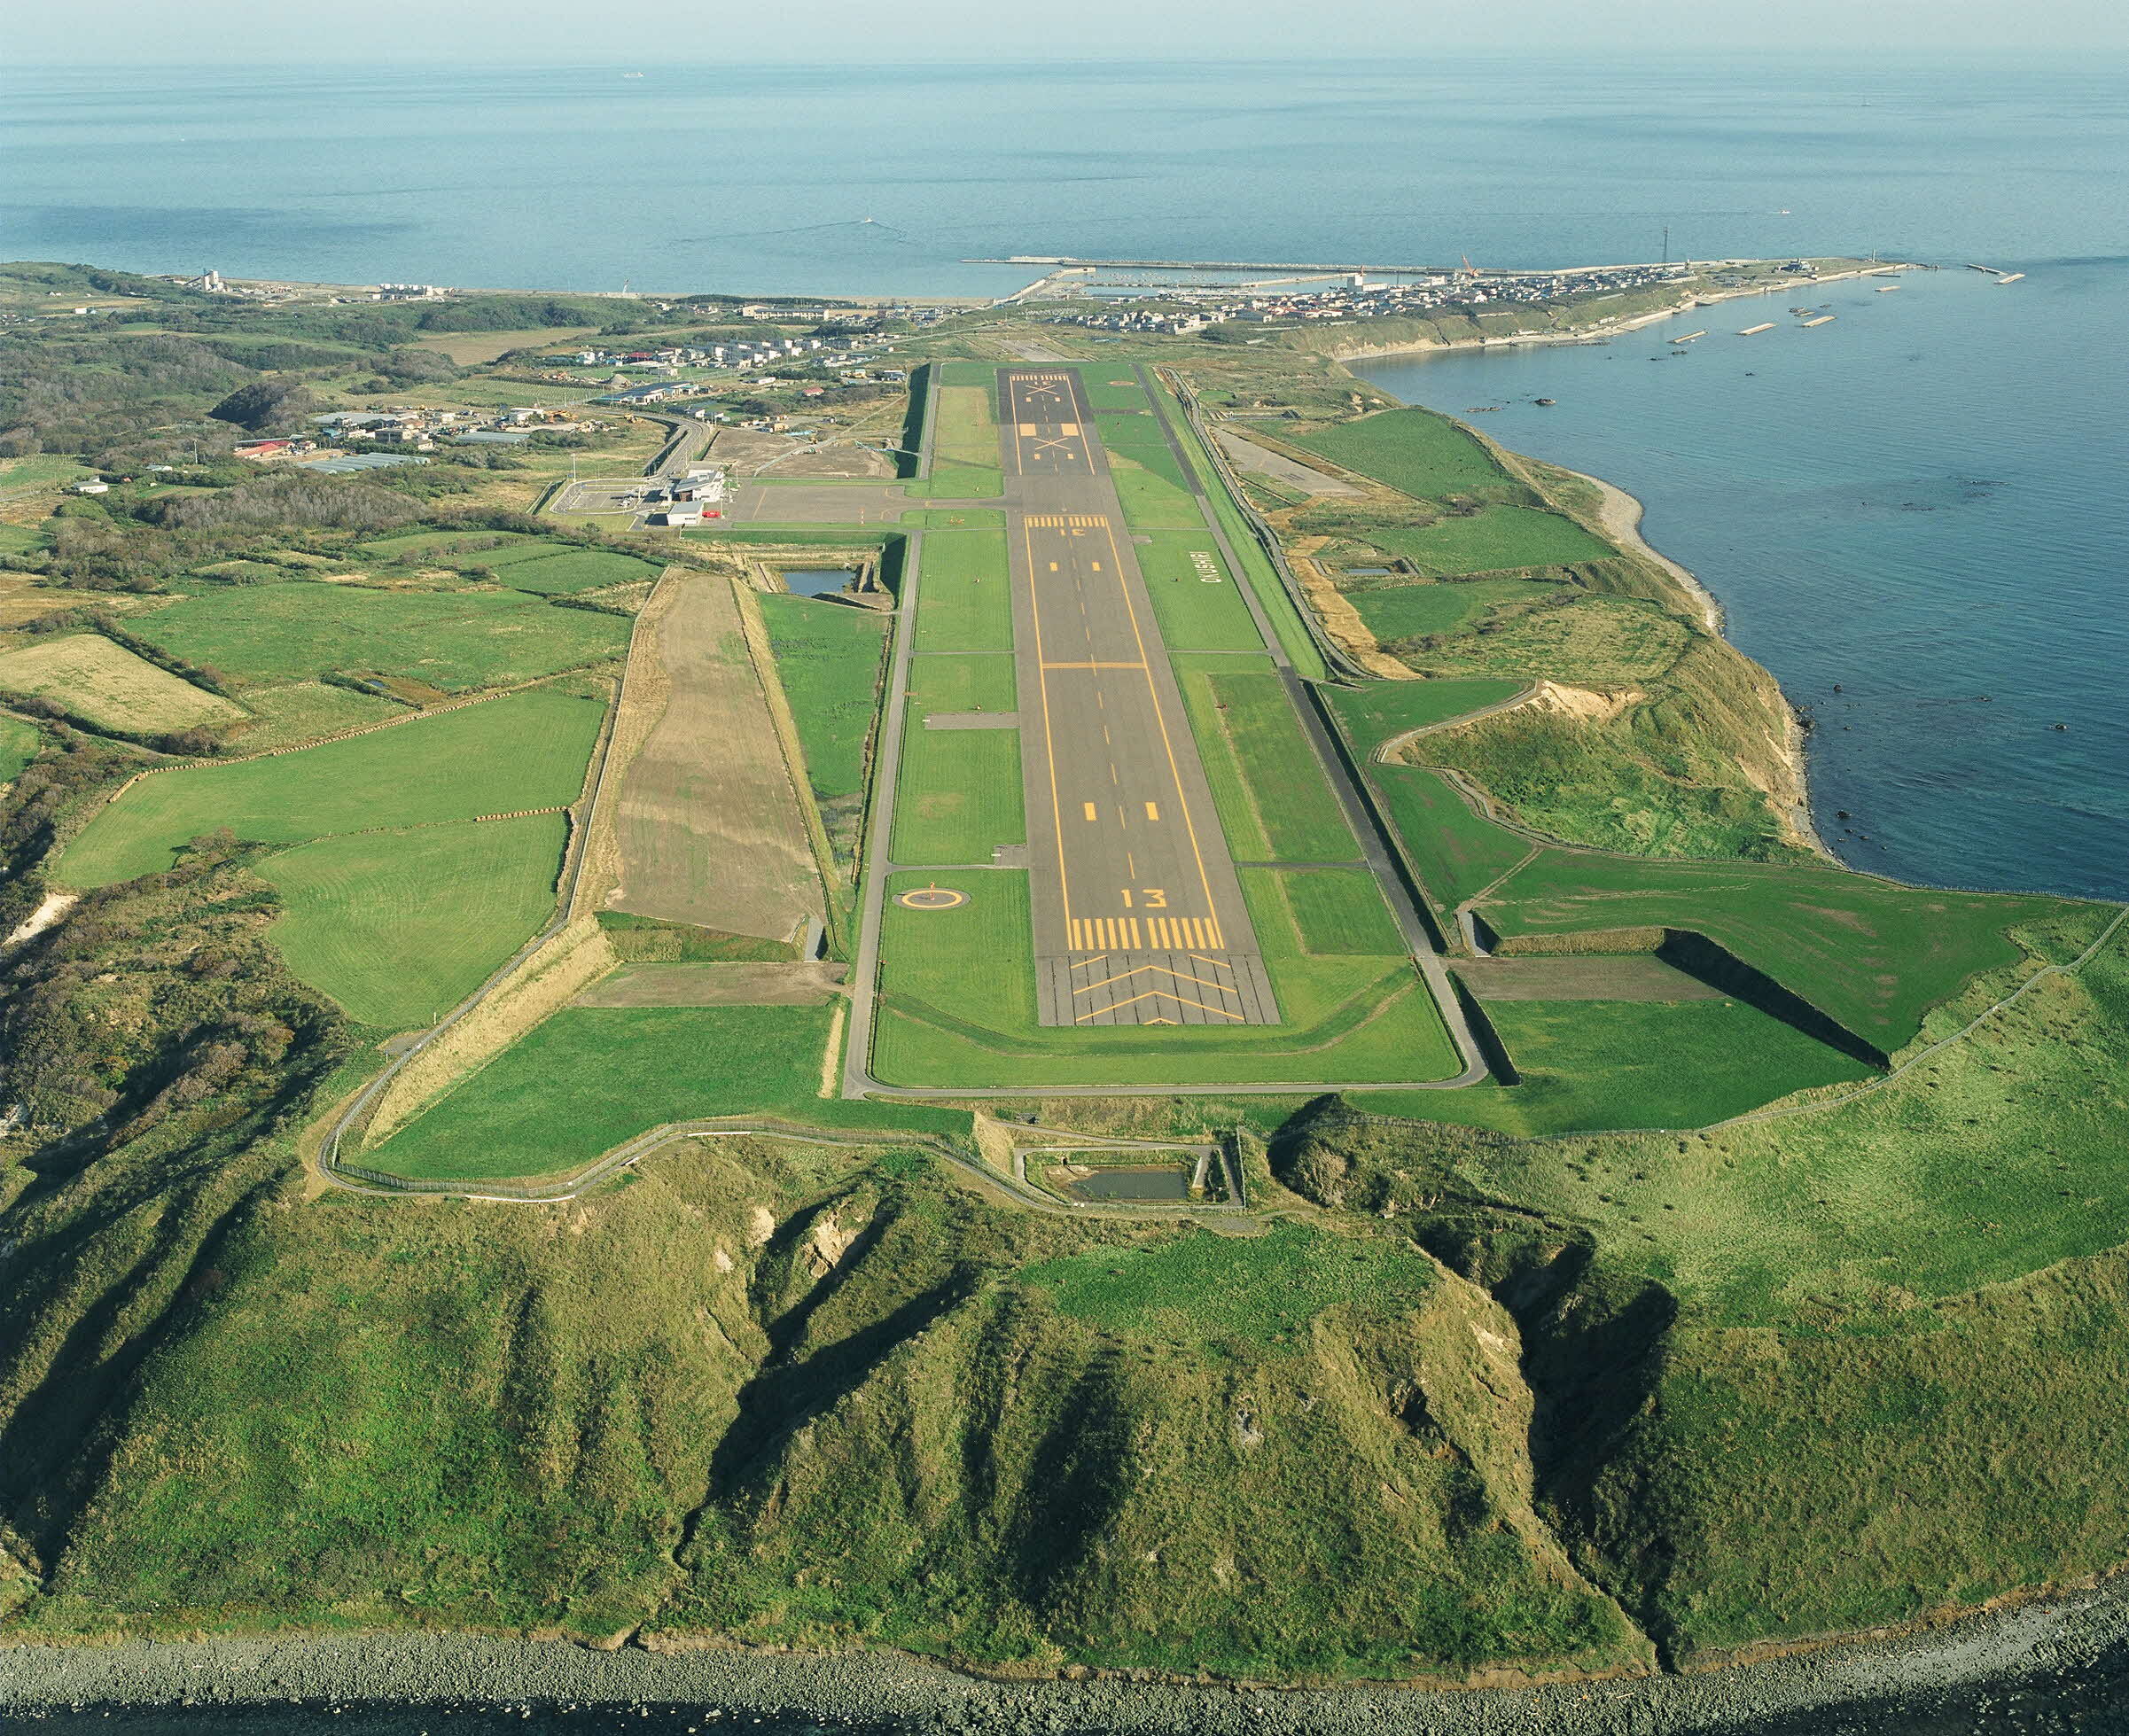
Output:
x=564 y=32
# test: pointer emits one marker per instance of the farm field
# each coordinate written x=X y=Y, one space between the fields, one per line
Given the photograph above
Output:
x=569 y=571
x=957 y=1007
x=108 y=685
x=445 y=548
x=965 y=592
x=1274 y=800
x=1495 y=538
x=1872 y=954
x=588 y=1077
x=1406 y=611
x=707 y=819
x=303 y=711
x=525 y=750
x=1416 y=452
x=36 y=472
x=1195 y=615
x=454 y=641
x=400 y=926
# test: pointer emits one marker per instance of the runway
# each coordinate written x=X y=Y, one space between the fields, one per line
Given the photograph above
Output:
x=1138 y=915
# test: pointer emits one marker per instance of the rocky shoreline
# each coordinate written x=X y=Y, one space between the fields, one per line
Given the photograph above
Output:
x=2011 y=1651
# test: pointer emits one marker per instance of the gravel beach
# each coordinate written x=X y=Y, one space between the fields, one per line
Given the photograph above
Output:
x=2041 y=1657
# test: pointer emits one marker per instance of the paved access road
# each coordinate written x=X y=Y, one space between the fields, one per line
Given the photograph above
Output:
x=1138 y=915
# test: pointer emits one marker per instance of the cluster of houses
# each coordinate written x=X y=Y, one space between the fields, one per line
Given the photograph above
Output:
x=413 y=429
x=1356 y=297
x=843 y=357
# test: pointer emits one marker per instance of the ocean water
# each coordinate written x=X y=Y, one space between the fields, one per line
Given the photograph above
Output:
x=1912 y=516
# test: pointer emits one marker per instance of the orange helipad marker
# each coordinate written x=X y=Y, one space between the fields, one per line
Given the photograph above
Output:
x=931 y=898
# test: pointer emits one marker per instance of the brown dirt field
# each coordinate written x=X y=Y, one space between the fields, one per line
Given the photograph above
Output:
x=1636 y=977
x=108 y=685
x=1343 y=621
x=470 y=348
x=706 y=822
x=802 y=984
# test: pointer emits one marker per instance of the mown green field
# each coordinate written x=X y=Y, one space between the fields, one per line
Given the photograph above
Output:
x=1370 y=715
x=1257 y=572
x=526 y=751
x=964 y=595
x=958 y=795
x=1497 y=537
x=1340 y=913
x=828 y=657
x=982 y=681
x=452 y=640
x=1143 y=440
x=958 y=1008
x=1415 y=452
x=1590 y=1066
x=401 y=926
x=1406 y=611
x=1454 y=852
x=1275 y=802
x=1151 y=500
x=1195 y=597
x=590 y=1077
x=1873 y=954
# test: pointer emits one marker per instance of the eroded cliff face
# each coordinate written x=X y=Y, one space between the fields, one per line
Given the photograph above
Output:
x=950 y=1456
x=766 y=1391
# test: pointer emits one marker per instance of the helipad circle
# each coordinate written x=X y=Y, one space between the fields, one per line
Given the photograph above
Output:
x=931 y=898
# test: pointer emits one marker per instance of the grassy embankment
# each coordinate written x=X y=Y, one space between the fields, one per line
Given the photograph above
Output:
x=397 y=901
